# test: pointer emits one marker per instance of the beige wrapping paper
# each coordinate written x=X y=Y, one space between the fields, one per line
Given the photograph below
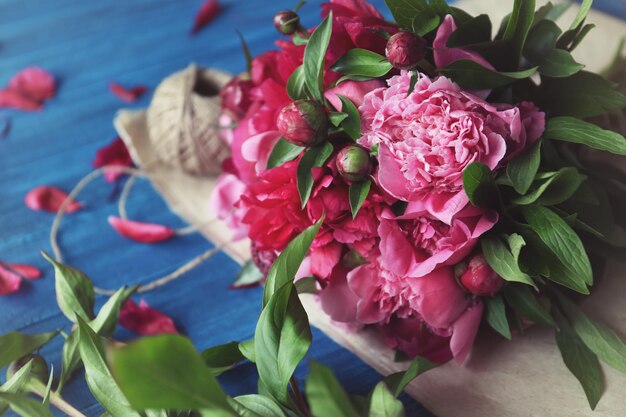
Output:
x=522 y=378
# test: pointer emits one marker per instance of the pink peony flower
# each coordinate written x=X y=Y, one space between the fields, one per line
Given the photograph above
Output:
x=413 y=337
x=426 y=139
x=445 y=55
x=223 y=203
x=415 y=244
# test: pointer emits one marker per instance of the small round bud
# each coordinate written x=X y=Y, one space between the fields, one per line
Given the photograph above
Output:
x=353 y=163
x=404 y=50
x=303 y=123
x=236 y=96
x=39 y=368
x=286 y=22
x=479 y=279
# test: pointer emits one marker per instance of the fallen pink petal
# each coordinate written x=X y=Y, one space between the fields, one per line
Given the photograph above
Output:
x=115 y=153
x=34 y=83
x=145 y=320
x=25 y=270
x=49 y=198
x=140 y=231
x=13 y=99
x=127 y=94
x=207 y=12
x=9 y=281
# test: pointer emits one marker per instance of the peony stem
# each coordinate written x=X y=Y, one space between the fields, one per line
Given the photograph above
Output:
x=37 y=387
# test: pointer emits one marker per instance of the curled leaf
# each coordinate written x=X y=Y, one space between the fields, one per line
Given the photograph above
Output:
x=145 y=320
x=9 y=281
x=140 y=231
x=15 y=100
x=34 y=83
x=127 y=94
x=115 y=153
x=25 y=270
x=49 y=198
x=206 y=13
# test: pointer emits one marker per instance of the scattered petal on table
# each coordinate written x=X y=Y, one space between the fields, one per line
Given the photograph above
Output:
x=25 y=270
x=140 y=231
x=5 y=126
x=127 y=94
x=114 y=153
x=15 y=100
x=49 y=198
x=145 y=320
x=9 y=281
x=34 y=83
x=206 y=13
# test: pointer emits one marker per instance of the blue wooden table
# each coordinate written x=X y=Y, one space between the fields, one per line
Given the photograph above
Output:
x=86 y=44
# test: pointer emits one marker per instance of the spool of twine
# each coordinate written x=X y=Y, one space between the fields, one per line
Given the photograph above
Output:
x=183 y=121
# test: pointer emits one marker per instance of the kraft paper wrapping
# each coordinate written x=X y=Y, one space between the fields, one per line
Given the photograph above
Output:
x=522 y=378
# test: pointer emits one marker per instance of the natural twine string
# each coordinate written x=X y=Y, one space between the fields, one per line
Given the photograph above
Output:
x=134 y=174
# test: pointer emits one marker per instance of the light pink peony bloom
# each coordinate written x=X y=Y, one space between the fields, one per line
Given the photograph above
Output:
x=352 y=90
x=427 y=139
x=444 y=55
x=223 y=203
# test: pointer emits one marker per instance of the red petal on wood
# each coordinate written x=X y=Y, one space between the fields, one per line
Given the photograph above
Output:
x=15 y=100
x=145 y=320
x=25 y=270
x=34 y=83
x=9 y=281
x=140 y=231
x=206 y=13
x=49 y=198
x=114 y=153
x=127 y=94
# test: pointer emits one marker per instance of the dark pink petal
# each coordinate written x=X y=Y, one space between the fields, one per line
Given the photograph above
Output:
x=140 y=231
x=9 y=281
x=25 y=270
x=114 y=153
x=15 y=100
x=127 y=94
x=49 y=198
x=5 y=126
x=145 y=320
x=35 y=83
x=206 y=13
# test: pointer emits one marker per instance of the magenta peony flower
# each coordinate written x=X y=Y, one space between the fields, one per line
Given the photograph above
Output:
x=445 y=55
x=413 y=337
x=426 y=139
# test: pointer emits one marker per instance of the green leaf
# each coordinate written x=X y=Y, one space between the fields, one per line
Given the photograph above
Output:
x=504 y=259
x=475 y=30
x=166 y=372
x=221 y=358
x=284 y=269
x=473 y=76
x=398 y=382
x=352 y=124
x=363 y=63
x=98 y=376
x=541 y=50
x=314 y=55
x=581 y=95
x=75 y=294
x=24 y=405
x=313 y=158
x=283 y=151
x=415 y=76
x=70 y=359
x=478 y=183
x=105 y=322
x=405 y=11
x=249 y=274
x=281 y=340
x=296 y=88
x=247 y=350
x=15 y=383
x=358 y=193
x=582 y=13
x=496 y=315
x=557 y=188
x=15 y=345
x=523 y=300
x=518 y=26
x=337 y=117
x=571 y=129
x=425 y=23
x=246 y=52
x=46 y=394
x=522 y=169
x=325 y=394
x=258 y=406
x=581 y=35
x=384 y=404
x=306 y=285
x=550 y=11
x=596 y=336
x=557 y=235
x=581 y=362
x=558 y=63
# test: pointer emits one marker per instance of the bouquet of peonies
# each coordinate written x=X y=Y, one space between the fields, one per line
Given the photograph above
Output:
x=449 y=170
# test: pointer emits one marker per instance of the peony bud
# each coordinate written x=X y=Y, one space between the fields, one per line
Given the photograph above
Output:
x=303 y=123
x=353 y=163
x=404 y=50
x=39 y=369
x=236 y=96
x=480 y=279
x=287 y=22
